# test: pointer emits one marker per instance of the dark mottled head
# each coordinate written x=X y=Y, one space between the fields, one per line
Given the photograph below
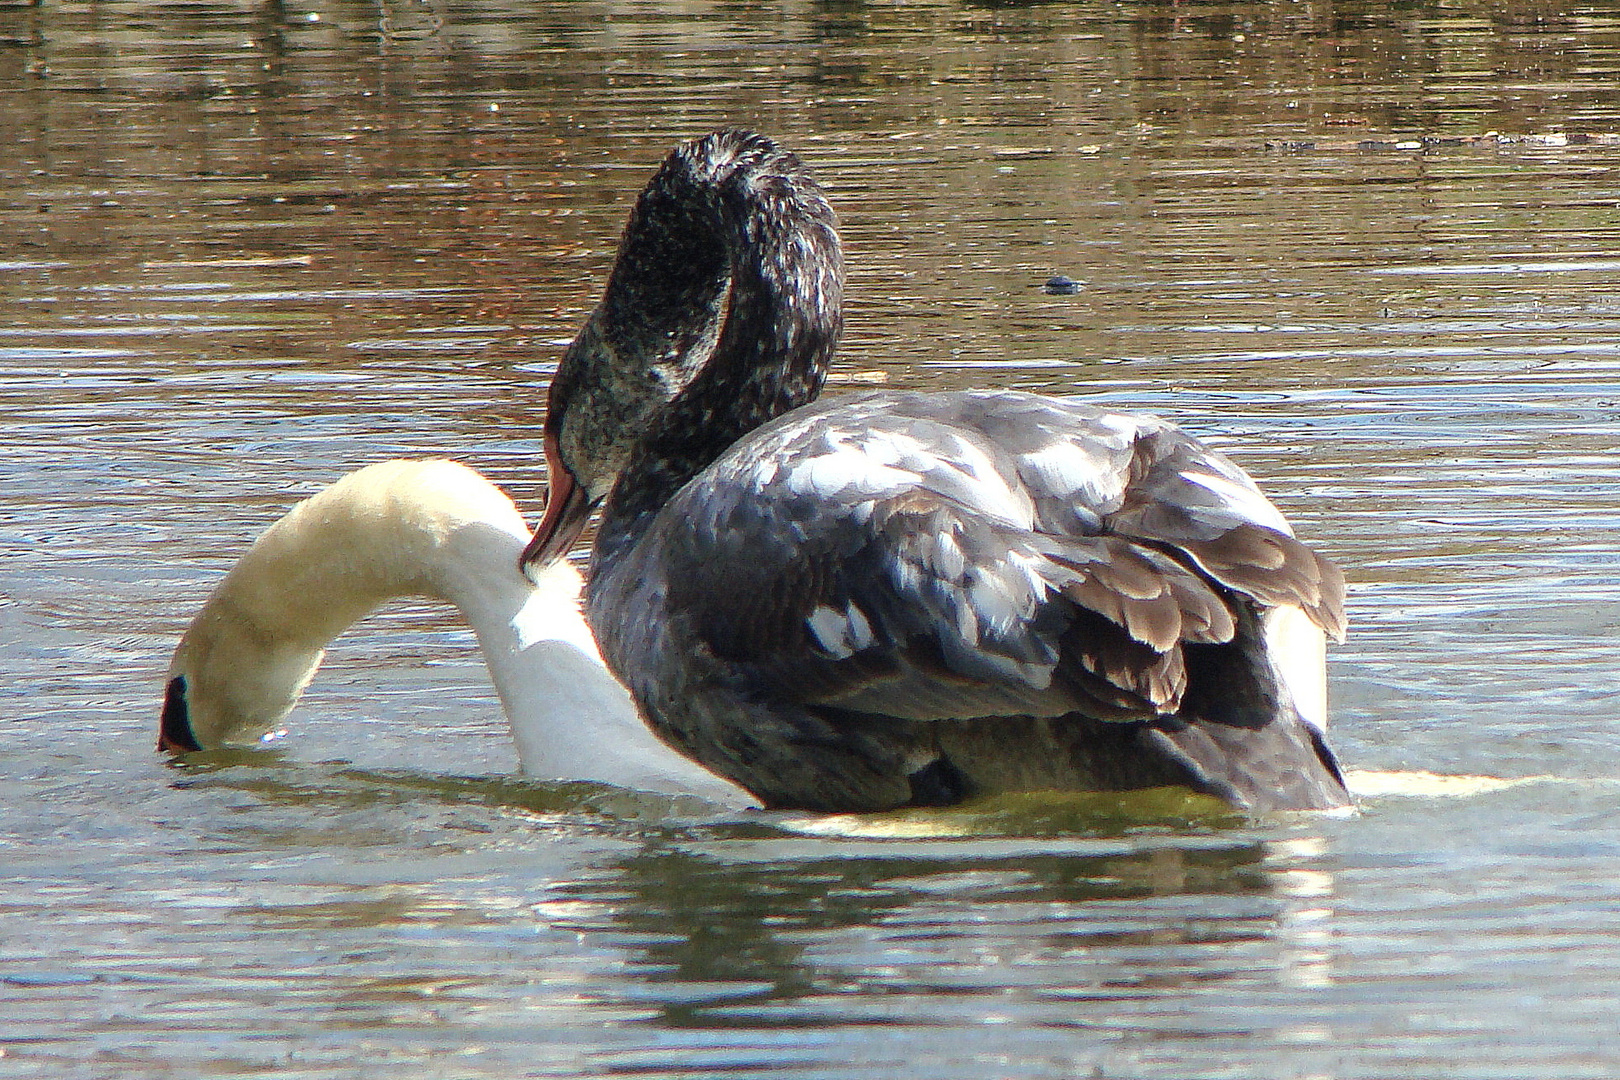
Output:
x=722 y=311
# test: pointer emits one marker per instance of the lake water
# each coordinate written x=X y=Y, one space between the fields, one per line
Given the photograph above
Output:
x=1370 y=250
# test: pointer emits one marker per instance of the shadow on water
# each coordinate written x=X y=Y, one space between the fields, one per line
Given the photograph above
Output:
x=278 y=778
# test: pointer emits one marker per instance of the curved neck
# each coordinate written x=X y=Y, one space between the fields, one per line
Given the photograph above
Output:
x=391 y=530
x=435 y=530
x=731 y=212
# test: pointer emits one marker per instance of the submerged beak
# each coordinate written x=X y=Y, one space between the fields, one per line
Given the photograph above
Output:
x=568 y=508
x=174 y=729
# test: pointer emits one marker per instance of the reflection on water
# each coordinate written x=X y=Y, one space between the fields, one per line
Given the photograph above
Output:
x=249 y=247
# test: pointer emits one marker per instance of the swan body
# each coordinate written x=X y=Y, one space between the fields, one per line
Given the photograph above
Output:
x=416 y=528
x=888 y=598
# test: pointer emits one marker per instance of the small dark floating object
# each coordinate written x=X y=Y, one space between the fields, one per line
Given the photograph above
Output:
x=1059 y=285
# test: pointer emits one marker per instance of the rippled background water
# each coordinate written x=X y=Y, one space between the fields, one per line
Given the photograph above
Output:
x=1371 y=250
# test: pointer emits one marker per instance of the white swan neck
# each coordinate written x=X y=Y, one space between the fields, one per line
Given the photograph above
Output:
x=431 y=529
x=379 y=533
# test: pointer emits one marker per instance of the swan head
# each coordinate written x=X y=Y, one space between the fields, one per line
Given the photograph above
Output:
x=225 y=688
x=593 y=410
x=722 y=309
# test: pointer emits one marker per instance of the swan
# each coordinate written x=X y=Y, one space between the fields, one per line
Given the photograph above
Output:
x=416 y=528
x=890 y=599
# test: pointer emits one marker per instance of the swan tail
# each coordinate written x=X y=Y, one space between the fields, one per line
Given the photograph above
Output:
x=1285 y=765
x=1241 y=732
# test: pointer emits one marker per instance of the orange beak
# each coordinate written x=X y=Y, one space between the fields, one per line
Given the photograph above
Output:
x=568 y=508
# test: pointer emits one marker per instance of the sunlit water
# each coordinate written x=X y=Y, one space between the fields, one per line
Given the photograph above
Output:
x=249 y=248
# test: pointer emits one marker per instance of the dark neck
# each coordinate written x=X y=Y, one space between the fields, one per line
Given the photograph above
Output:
x=783 y=315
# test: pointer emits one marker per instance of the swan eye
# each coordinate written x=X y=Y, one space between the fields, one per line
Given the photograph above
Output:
x=174 y=730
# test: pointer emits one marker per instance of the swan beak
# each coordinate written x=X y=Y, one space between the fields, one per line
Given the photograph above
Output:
x=174 y=729
x=568 y=508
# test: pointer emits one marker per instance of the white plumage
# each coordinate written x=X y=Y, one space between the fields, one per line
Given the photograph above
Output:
x=416 y=528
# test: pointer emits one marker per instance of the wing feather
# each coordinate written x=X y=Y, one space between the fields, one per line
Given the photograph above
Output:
x=1045 y=558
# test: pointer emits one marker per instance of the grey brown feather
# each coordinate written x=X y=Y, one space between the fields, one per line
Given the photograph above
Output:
x=894 y=598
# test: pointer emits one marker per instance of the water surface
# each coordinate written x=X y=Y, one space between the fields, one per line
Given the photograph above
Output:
x=1368 y=252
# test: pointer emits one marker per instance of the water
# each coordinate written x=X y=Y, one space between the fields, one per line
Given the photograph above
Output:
x=249 y=248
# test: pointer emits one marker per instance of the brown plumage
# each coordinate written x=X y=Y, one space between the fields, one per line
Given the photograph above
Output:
x=894 y=598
